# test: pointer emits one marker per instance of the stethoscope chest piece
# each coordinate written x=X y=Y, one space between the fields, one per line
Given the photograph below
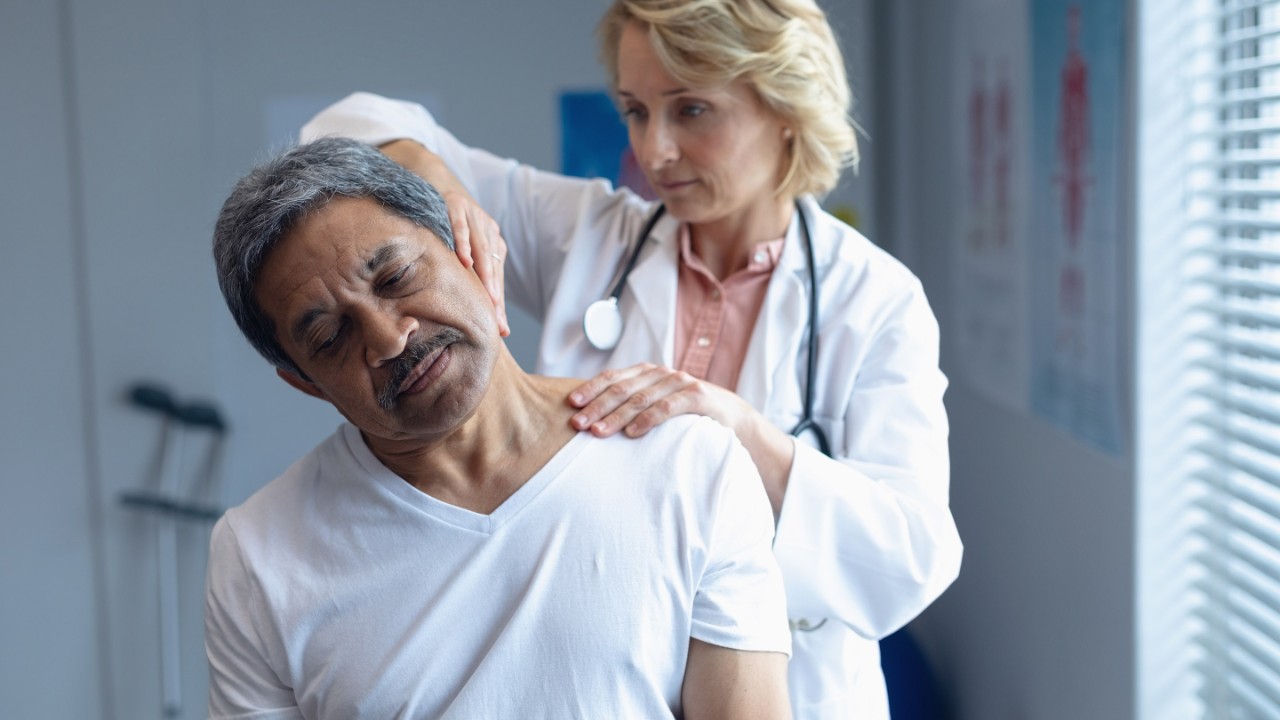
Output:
x=602 y=324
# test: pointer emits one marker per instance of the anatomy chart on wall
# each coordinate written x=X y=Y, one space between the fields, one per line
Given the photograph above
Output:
x=1078 y=111
x=992 y=165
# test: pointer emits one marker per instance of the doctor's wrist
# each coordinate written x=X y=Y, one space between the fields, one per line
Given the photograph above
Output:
x=415 y=157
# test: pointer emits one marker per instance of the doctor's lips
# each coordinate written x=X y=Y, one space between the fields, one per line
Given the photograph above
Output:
x=670 y=185
x=416 y=361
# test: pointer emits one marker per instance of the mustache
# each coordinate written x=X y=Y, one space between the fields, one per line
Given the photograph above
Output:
x=403 y=365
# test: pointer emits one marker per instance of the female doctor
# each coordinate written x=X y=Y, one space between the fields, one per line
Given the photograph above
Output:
x=737 y=114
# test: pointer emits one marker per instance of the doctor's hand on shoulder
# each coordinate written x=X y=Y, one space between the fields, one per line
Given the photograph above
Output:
x=636 y=399
x=477 y=238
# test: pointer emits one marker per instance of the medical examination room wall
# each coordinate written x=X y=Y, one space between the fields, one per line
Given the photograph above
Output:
x=124 y=125
x=1040 y=624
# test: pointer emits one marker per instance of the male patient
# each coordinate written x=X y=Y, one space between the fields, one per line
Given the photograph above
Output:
x=457 y=550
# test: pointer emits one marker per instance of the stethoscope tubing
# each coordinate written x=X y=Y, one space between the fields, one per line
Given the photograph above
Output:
x=807 y=422
x=611 y=334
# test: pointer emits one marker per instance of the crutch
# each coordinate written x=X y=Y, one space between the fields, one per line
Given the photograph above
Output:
x=155 y=399
x=161 y=497
x=202 y=501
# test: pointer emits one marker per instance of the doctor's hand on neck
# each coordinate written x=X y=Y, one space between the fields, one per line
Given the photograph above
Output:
x=476 y=236
x=636 y=399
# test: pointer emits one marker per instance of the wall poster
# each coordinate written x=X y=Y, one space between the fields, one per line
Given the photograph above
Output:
x=992 y=173
x=1077 y=179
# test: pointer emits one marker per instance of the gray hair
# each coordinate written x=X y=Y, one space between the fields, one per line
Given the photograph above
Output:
x=275 y=196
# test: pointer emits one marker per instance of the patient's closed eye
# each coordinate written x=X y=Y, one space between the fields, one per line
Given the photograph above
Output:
x=400 y=274
x=326 y=339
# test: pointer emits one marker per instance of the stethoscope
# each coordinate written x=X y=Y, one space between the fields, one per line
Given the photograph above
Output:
x=602 y=322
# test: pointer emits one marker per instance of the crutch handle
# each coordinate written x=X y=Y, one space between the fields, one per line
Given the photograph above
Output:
x=202 y=415
x=154 y=398
x=154 y=502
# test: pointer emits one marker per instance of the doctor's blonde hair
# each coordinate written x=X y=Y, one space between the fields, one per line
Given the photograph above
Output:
x=784 y=49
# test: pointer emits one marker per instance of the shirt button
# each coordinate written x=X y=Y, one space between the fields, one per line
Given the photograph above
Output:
x=704 y=341
x=759 y=257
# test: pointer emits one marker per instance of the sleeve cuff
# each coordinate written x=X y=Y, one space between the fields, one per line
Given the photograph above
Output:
x=373 y=119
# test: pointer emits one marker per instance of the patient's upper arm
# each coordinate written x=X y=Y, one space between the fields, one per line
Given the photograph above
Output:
x=720 y=684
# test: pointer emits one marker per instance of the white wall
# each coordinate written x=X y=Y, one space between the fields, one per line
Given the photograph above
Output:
x=48 y=624
x=1040 y=623
x=125 y=125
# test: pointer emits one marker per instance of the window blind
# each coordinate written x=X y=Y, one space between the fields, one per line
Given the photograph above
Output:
x=1233 y=434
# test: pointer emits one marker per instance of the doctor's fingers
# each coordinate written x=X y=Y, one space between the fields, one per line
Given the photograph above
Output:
x=690 y=396
x=458 y=206
x=686 y=398
x=639 y=404
x=479 y=245
x=497 y=287
x=603 y=393
x=490 y=254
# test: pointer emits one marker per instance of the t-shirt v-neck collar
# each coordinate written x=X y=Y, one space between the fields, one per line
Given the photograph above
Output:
x=452 y=514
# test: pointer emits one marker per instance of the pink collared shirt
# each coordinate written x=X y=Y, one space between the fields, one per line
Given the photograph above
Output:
x=714 y=319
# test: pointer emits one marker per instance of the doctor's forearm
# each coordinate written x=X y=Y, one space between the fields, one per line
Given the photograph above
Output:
x=411 y=155
x=772 y=451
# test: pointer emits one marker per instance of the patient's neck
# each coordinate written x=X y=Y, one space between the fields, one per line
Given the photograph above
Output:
x=519 y=425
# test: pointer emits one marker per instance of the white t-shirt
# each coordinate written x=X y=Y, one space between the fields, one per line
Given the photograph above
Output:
x=340 y=591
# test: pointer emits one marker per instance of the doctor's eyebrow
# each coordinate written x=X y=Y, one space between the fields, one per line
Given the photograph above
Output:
x=664 y=93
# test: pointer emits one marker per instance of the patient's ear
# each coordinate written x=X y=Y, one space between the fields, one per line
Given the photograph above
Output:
x=305 y=386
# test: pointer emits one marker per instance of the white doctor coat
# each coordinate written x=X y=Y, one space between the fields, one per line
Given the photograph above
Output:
x=865 y=540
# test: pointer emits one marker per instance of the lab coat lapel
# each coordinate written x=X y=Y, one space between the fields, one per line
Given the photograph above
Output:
x=650 y=321
x=768 y=371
